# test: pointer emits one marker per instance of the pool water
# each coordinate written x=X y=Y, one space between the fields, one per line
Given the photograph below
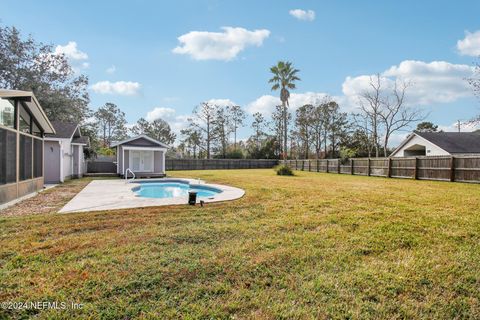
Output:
x=173 y=190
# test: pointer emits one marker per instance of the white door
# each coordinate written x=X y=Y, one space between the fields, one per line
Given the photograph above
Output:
x=147 y=161
x=141 y=161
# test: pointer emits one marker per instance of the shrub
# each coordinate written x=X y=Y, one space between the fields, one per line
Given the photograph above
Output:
x=283 y=170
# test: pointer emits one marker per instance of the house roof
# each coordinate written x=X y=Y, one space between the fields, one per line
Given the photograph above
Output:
x=64 y=130
x=454 y=142
x=32 y=104
x=81 y=140
x=451 y=142
x=144 y=136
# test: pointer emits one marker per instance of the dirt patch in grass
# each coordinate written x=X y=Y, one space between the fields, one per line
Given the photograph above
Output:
x=48 y=201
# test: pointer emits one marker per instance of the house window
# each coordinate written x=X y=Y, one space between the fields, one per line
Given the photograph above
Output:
x=25 y=120
x=37 y=158
x=8 y=156
x=25 y=157
x=7 y=113
x=36 y=130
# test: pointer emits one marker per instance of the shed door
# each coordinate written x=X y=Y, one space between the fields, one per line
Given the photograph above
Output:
x=141 y=161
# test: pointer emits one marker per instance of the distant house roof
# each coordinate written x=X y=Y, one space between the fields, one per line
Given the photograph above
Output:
x=454 y=142
x=64 y=130
x=451 y=142
x=32 y=103
x=142 y=136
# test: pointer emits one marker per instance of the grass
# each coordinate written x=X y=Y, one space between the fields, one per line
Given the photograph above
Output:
x=309 y=246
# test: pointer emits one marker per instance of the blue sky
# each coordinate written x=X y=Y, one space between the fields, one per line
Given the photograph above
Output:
x=128 y=50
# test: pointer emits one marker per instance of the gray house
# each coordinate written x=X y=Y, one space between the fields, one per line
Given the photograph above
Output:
x=63 y=152
x=142 y=155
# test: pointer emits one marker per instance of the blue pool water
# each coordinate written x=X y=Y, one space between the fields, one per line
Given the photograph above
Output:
x=173 y=190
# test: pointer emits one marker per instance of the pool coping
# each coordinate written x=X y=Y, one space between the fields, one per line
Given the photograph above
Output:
x=101 y=195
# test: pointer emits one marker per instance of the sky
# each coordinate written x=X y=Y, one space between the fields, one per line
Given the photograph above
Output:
x=162 y=58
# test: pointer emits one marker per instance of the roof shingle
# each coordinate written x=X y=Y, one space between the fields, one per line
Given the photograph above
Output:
x=64 y=130
x=454 y=142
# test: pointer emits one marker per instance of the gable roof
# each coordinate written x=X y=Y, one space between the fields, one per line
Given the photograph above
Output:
x=451 y=142
x=454 y=142
x=144 y=136
x=32 y=103
x=64 y=130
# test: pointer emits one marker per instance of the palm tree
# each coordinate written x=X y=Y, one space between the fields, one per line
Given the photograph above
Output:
x=284 y=77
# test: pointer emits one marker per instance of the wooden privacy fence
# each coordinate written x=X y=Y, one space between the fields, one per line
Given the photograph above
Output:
x=211 y=164
x=461 y=169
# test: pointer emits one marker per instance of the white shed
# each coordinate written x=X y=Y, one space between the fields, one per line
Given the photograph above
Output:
x=439 y=144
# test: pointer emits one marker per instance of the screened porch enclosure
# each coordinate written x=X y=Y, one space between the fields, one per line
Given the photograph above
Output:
x=21 y=145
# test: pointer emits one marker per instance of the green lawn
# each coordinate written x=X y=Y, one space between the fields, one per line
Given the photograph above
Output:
x=309 y=246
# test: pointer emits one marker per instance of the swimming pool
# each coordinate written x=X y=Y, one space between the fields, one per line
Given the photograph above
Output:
x=173 y=189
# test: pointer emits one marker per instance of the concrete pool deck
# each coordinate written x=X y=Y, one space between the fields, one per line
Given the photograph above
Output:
x=101 y=195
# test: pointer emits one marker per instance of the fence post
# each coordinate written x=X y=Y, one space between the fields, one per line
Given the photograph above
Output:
x=415 y=171
x=389 y=171
x=327 y=165
x=318 y=164
x=452 y=169
x=338 y=166
x=352 y=167
x=368 y=167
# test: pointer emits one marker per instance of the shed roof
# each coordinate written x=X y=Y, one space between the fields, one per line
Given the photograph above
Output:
x=142 y=136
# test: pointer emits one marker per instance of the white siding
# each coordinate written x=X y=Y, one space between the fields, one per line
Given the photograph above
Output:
x=66 y=155
x=430 y=148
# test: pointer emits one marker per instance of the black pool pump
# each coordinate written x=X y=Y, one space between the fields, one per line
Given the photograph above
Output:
x=192 y=198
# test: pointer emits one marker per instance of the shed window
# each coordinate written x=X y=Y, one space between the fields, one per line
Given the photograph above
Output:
x=8 y=156
x=7 y=113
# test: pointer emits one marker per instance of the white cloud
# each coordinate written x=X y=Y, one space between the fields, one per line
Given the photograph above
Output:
x=71 y=51
x=470 y=45
x=221 y=102
x=160 y=113
x=464 y=127
x=433 y=82
x=126 y=88
x=176 y=122
x=226 y=45
x=266 y=104
x=306 y=15
x=111 y=70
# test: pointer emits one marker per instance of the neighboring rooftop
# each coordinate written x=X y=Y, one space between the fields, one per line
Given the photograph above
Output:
x=454 y=142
